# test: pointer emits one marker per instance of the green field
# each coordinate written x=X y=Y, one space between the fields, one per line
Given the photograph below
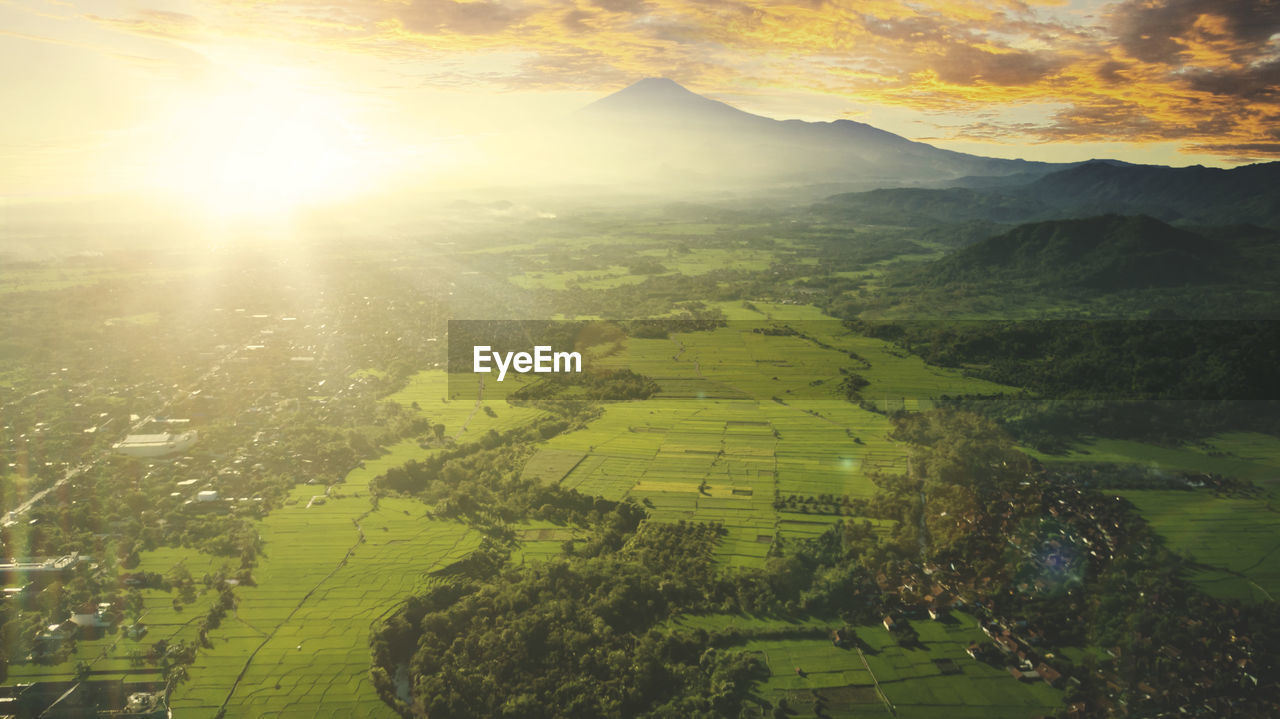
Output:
x=745 y=418
x=111 y=656
x=1236 y=540
x=1244 y=455
x=464 y=418
x=742 y=420
x=939 y=679
x=298 y=642
x=607 y=278
x=541 y=540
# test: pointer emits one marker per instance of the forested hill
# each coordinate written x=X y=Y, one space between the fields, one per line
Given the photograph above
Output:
x=1202 y=195
x=917 y=206
x=1178 y=195
x=1107 y=253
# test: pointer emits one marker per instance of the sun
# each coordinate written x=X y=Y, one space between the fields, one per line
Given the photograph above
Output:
x=263 y=150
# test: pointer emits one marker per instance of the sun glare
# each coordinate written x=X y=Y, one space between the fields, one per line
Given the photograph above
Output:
x=264 y=151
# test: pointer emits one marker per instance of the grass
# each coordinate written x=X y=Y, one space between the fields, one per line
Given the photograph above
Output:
x=549 y=466
x=1245 y=455
x=739 y=422
x=330 y=573
x=1233 y=539
x=1237 y=541
x=540 y=540
x=602 y=279
x=742 y=418
x=297 y=643
x=463 y=418
x=109 y=656
x=936 y=680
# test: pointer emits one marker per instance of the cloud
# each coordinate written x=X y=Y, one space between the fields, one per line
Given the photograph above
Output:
x=157 y=23
x=1165 y=31
x=1204 y=73
x=966 y=65
x=480 y=17
x=1255 y=82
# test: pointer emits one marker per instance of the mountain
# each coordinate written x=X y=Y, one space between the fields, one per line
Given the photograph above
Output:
x=658 y=129
x=1205 y=195
x=1181 y=195
x=925 y=206
x=659 y=100
x=1108 y=253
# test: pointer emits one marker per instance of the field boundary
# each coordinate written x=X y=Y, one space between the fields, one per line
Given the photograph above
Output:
x=876 y=682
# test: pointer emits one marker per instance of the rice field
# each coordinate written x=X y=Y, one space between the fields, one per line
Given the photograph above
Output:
x=1245 y=455
x=462 y=416
x=936 y=680
x=541 y=540
x=739 y=423
x=333 y=567
x=743 y=419
x=1233 y=538
x=1237 y=540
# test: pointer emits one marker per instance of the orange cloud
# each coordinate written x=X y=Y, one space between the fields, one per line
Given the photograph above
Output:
x=1205 y=73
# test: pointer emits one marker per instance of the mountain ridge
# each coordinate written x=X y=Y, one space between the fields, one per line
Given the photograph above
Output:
x=685 y=133
x=1107 y=252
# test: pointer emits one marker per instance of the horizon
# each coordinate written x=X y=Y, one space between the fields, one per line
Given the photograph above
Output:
x=260 y=107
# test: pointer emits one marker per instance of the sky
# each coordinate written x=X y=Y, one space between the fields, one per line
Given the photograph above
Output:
x=289 y=100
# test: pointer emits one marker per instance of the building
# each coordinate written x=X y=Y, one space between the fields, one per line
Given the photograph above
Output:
x=1023 y=675
x=90 y=699
x=207 y=495
x=155 y=445
x=1051 y=676
x=38 y=571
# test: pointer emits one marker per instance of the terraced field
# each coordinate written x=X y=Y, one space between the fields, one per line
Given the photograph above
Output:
x=744 y=418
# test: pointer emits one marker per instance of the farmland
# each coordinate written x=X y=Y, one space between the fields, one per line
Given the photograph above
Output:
x=297 y=643
x=874 y=672
x=744 y=420
x=1233 y=542
x=774 y=426
x=1247 y=455
x=708 y=449
x=934 y=680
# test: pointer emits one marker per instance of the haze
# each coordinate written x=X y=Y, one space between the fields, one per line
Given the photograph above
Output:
x=227 y=110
